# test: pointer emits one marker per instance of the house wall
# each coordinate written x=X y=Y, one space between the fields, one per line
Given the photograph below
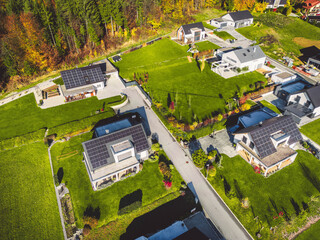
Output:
x=231 y=58
x=238 y=138
x=277 y=80
x=98 y=85
x=215 y=23
x=143 y=155
x=316 y=112
x=243 y=23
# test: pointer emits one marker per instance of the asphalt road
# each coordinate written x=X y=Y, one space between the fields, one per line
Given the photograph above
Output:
x=228 y=225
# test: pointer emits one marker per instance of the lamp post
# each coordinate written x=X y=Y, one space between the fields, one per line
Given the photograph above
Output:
x=207 y=166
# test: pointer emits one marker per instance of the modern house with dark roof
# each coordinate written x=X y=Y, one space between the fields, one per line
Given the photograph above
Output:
x=269 y=144
x=234 y=19
x=115 y=153
x=304 y=104
x=82 y=82
x=191 y=33
x=275 y=3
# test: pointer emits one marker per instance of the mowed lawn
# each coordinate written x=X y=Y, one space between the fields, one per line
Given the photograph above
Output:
x=312 y=233
x=197 y=95
x=149 y=181
x=267 y=196
x=270 y=106
x=28 y=205
x=206 y=45
x=23 y=115
x=312 y=130
x=284 y=29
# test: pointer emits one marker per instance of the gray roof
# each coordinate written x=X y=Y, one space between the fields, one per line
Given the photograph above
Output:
x=298 y=110
x=249 y=54
x=314 y=95
x=260 y=134
x=187 y=28
x=98 y=150
x=271 y=2
x=82 y=76
x=240 y=15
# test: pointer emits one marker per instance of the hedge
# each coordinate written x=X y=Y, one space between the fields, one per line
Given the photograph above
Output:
x=130 y=208
x=78 y=125
x=22 y=140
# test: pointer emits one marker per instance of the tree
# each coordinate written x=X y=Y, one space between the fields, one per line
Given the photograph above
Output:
x=199 y=158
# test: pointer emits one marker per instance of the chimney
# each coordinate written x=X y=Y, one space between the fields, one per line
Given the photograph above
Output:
x=260 y=124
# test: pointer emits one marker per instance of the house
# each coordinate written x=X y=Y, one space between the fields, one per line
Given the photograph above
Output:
x=312 y=7
x=234 y=19
x=314 y=62
x=197 y=226
x=248 y=59
x=284 y=90
x=115 y=153
x=190 y=33
x=276 y=3
x=283 y=77
x=82 y=82
x=268 y=146
x=304 y=104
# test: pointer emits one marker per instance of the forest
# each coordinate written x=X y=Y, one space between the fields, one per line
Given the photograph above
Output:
x=38 y=36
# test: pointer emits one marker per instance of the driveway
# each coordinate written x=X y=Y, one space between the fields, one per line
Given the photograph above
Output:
x=218 y=212
x=114 y=87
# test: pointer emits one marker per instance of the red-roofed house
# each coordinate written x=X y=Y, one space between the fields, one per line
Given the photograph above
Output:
x=312 y=7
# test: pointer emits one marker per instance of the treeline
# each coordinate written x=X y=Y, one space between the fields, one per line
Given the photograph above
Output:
x=39 y=36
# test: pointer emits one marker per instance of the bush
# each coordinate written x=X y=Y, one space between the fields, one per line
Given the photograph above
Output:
x=245 y=203
x=199 y=158
x=56 y=180
x=212 y=172
x=21 y=140
x=305 y=145
x=130 y=208
x=212 y=154
x=166 y=171
x=155 y=147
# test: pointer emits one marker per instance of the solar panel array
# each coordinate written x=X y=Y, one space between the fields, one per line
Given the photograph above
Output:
x=261 y=135
x=97 y=150
x=82 y=76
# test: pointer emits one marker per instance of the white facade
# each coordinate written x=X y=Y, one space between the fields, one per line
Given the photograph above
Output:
x=233 y=60
x=283 y=77
x=196 y=35
x=228 y=21
x=98 y=85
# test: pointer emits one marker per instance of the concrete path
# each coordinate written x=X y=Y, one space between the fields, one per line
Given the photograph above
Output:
x=215 y=208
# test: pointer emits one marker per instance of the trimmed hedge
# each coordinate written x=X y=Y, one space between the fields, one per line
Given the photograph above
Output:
x=80 y=125
x=130 y=208
x=22 y=140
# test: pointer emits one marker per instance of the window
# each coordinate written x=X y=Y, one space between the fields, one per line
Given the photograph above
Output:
x=307 y=104
x=244 y=139
x=197 y=36
x=251 y=145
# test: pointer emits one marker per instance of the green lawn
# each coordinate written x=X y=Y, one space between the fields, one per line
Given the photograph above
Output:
x=206 y=45
x=271 y=106
x=312 y=130
x=224 y=35
x=312 y=233
x=28 y=205
x=266 y=194
x=209 y=26
x=284 y=29
x=197 y=94
x=23 y=115
x=149 y=180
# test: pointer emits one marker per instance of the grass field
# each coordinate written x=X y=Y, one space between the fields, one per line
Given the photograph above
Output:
x=206 y=25
x=28 y=205
x=271 y=106
x=206 y=45
x=176 y=78
x=312 y=233
x=224 y=35
x=23 y=115
x=312 y=130
x=149 y=180
x=267 y=196
x=287 y=31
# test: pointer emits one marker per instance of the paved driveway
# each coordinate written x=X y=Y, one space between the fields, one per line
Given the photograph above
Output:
x=215 y=208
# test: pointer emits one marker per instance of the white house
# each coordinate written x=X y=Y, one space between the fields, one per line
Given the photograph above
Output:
x=304 y=104
x=251 y=58
x=191 y=32
x=276 y=3
x=283 y=77
x=235 y=19
x=268 y=146
x=115 y=153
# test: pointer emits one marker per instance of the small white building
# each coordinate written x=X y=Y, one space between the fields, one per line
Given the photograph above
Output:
x=268 y=146
x=115 y=153
x=235 y=19
x=283 y=77
x=191 y=33
x=304 y=104
x=251 y=58
x=275 y=3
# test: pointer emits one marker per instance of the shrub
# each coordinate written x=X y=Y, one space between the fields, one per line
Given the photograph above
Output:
x=90 y=221
x=56 y=180
x=130 y=208
x=155 y=147
x=245 y=203
x=86 y=230
x=305 y=145
x=212 y=154
x=199 y=158
x=165 y=170
x=212 y=172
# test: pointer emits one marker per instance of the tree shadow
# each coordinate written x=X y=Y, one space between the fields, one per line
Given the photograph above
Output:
x=312 y=178
x=92 y=212
x=60 y=174
x=130 y=202
x=295 y=206
x=238 y=191
x=161 y=217
x=274 y=205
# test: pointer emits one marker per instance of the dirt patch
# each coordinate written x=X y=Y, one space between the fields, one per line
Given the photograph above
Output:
x=311 y=220
x=304 y=42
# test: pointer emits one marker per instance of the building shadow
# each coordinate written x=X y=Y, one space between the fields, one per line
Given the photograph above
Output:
x=308 y=52
x=161 y=217
x=143 y=118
